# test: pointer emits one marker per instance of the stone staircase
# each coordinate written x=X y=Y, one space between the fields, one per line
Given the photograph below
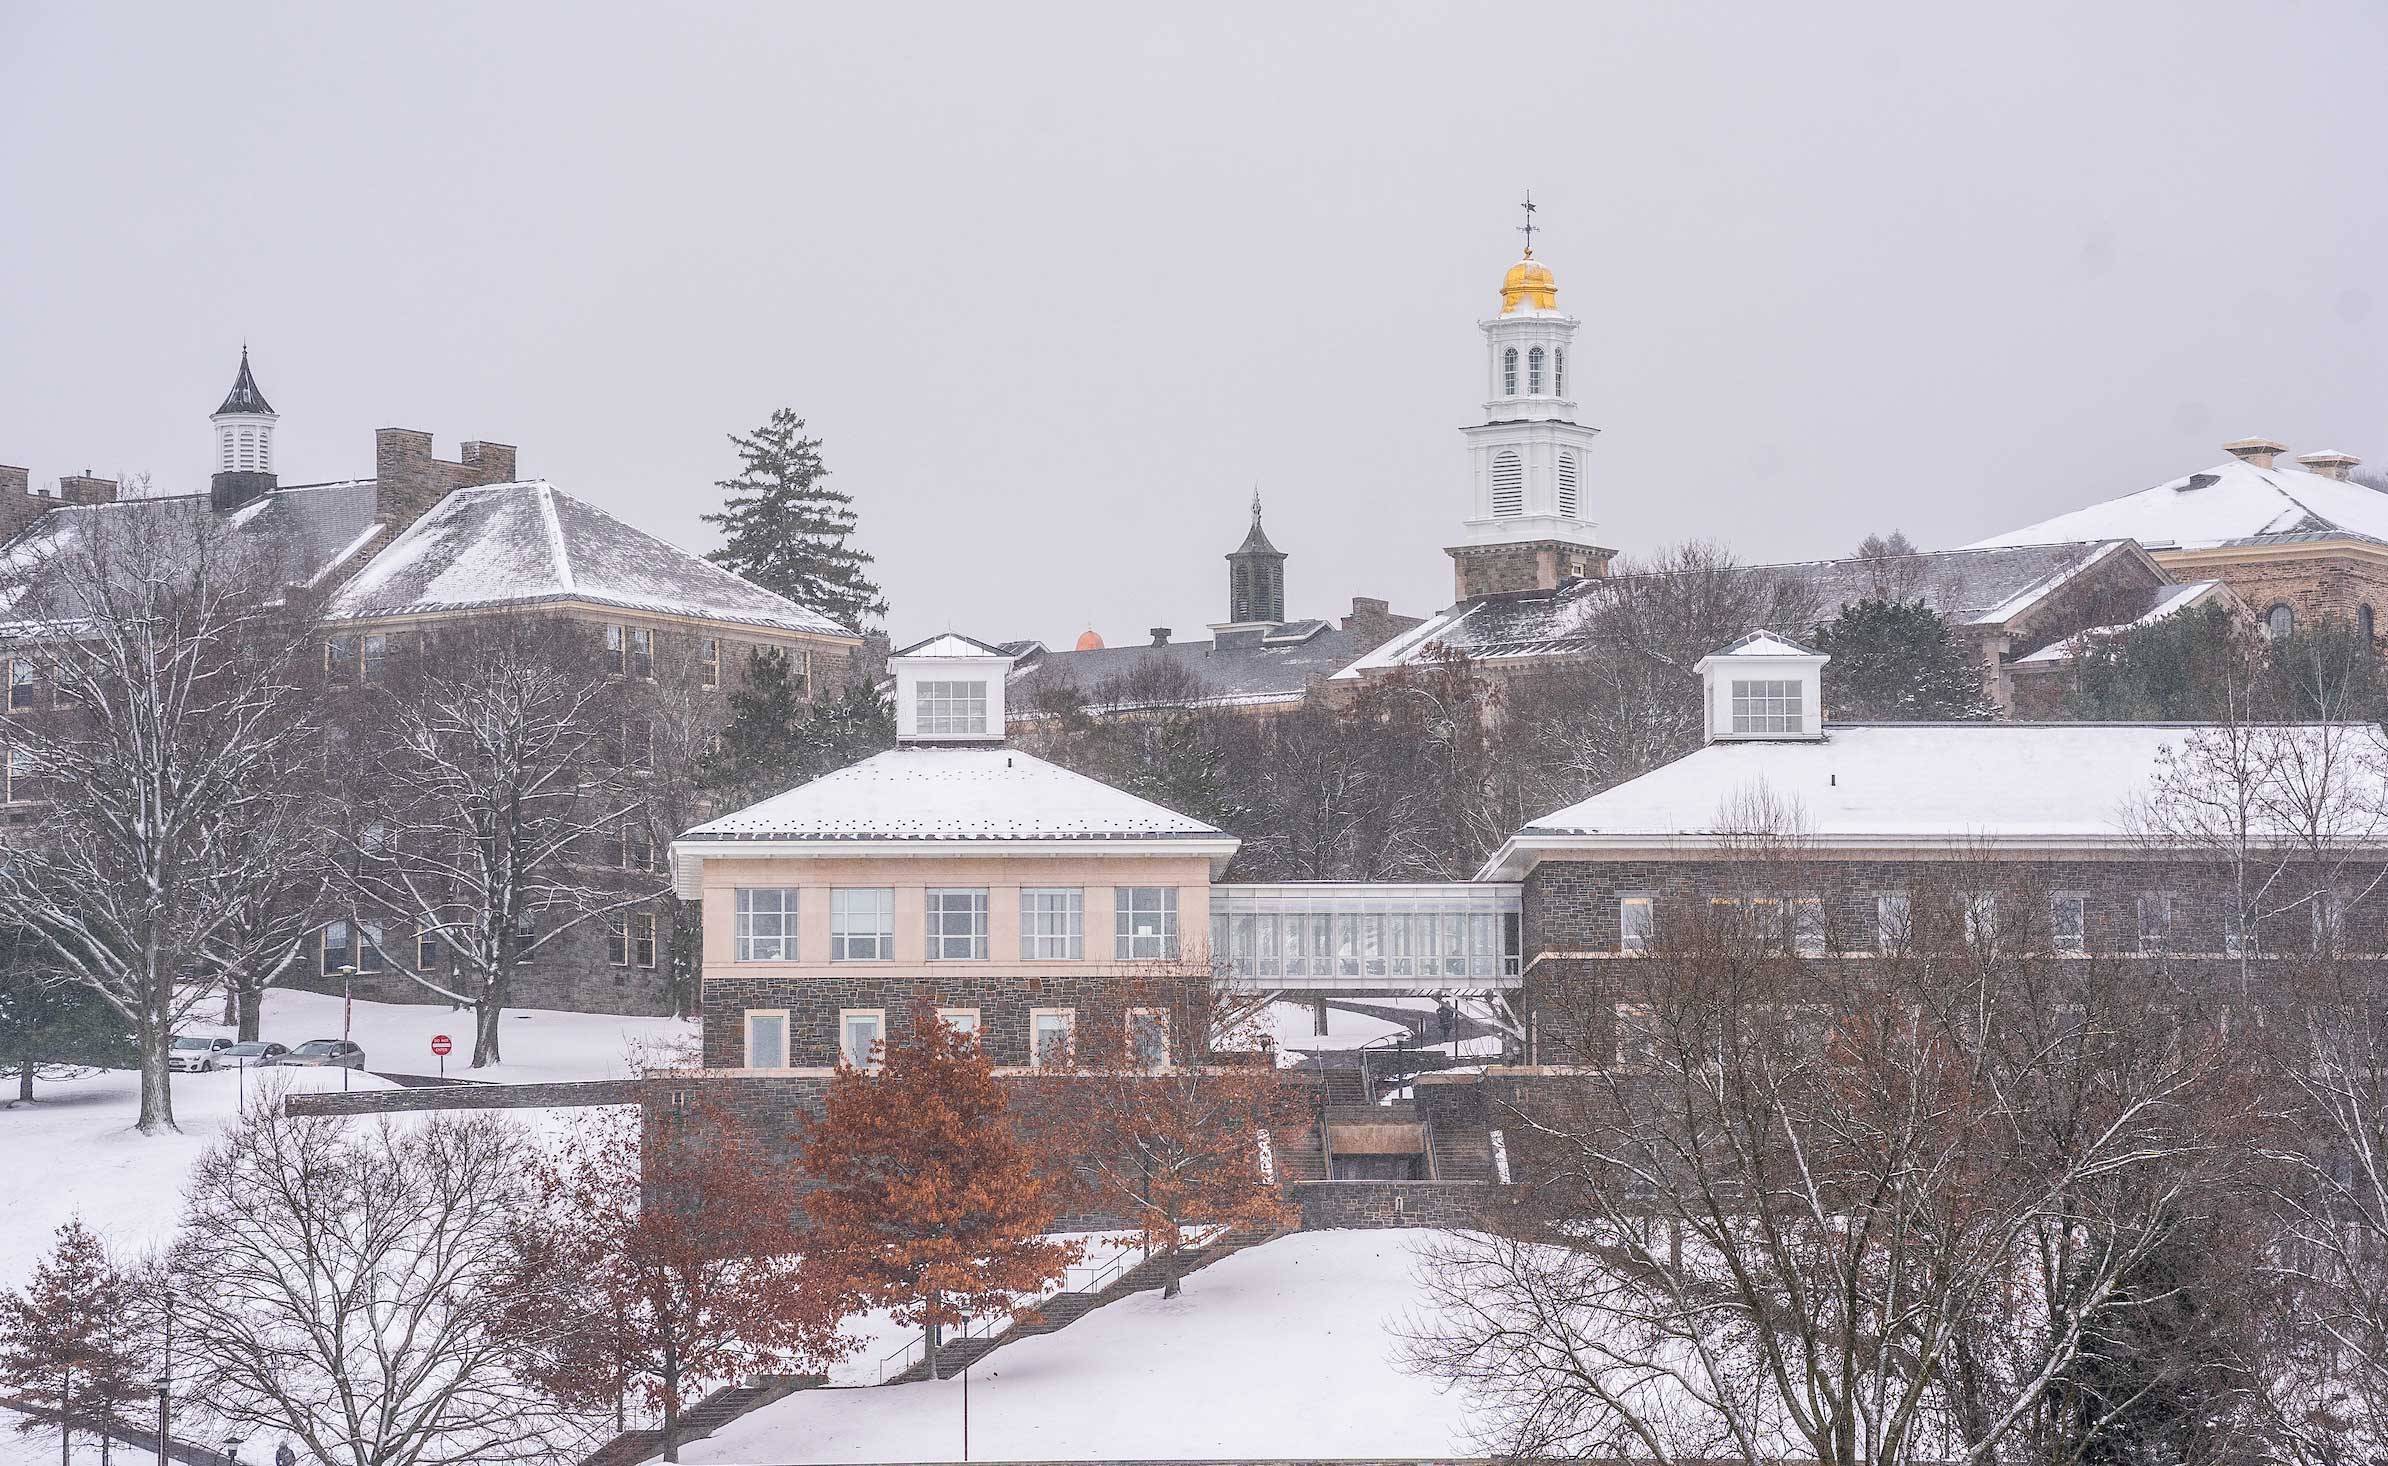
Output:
x=701 y=1419
x=1063 y=1309
x=1460 y=1153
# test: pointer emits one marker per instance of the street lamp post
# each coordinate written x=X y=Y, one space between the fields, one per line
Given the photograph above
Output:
x=348 y=1004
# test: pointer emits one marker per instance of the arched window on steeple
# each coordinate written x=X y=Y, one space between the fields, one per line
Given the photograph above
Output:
x=1508 y=484
x=1534 y=372
x=1558 y=371
x=1567 y=494
x=1509 y=372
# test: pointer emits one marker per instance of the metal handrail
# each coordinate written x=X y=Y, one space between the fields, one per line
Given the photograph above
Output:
x=1098 y=1278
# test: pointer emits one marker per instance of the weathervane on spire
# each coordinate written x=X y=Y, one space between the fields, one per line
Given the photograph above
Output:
x=1527 y=228
x=1256 y=503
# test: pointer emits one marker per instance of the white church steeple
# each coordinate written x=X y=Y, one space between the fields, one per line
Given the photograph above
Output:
x=1527 y=524
x=244 y=428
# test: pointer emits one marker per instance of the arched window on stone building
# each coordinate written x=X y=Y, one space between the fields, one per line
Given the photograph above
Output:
x=2280 y=621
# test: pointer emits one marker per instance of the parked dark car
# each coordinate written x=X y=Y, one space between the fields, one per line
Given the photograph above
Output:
x=255 y=1054
x=326 y=1053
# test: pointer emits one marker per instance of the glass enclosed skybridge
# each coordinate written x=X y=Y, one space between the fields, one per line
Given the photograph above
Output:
x=1367 y=937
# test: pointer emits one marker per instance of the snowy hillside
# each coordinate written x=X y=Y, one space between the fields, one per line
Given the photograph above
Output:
x=1283 y=1350
x=541 y=1046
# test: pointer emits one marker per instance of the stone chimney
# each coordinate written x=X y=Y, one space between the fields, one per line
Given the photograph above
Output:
x=1160 y=635
x=408 y=480
x=2340 y=466
x=1373 y=622
x=2256 y=452
x=19 y=505
x=82 y=488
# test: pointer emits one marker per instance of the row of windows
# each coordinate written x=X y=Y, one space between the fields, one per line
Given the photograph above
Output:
x=1799 y=921
x=1535 y=361
x=2281 y=621
x=1509 y=485
x=1453 y=944
x=1052 y=924
x=1052 y=1035
x=630 y=941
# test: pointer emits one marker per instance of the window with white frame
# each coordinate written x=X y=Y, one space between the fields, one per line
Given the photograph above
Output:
x=429 y=952
x=957 y=924
x=960 y=1020
x=1052 y=923
x=2068 y=922
x=859 y=1034
x=709 y=662
x=373 y=656
x=638 y=845
x=340 y=658
x=1768 y=706
x=12 y=768
x=616 y=639
x=766 y=924
x=949 y=708
x=1050 y=1032
x=766 y=1038
x=642 y=939
x=1509 y=372
x=2155 y=922
x=617 y=939
x=1534 y=361
x=1144 y=923
x=23 y=675
x=1148 y=1038
x=1893 y=922
x=862 y=924
x=631 y=649
x=1558 y=371
x=1637 y=919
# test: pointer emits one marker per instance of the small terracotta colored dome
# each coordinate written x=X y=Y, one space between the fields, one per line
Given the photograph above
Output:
x=1530 y=284
x=1089 y=642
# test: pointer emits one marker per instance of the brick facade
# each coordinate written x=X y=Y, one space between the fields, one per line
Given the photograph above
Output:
x=2320 y=582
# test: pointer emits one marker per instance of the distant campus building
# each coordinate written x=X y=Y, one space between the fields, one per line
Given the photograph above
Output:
x=423 y=544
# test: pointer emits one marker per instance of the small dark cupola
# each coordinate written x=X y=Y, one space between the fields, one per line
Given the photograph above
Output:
x=244 y=456
x=1256 y=577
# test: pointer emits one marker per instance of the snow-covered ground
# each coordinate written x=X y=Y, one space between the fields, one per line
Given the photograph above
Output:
x=39 y=1446
x=1283 y=1350
x=540 y=1045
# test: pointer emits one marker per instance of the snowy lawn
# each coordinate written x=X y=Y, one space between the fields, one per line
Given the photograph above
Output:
x=541 y=1045
x=39 y=1446
x=1283 y=1350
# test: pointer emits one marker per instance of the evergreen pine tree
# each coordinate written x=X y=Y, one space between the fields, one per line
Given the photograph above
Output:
x=1894 y=659
x=51 y=1029
x=778 y=737
x=68 y=1342
x=789 y=532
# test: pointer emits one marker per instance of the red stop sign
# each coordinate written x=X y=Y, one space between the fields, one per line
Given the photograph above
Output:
x=440 y=1045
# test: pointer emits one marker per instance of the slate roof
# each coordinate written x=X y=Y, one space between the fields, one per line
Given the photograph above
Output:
x=2231 y=503
x=1249 y=672
x=305 y=531
x=1887 y=786
x=244 y=396
x=530 y=543
x=1982 y=587
x=941 y=794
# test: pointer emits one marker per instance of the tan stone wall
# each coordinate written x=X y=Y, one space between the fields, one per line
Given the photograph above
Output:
x=2324 y=582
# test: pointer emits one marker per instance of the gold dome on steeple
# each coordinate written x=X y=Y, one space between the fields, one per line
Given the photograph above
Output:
x=1529 y=282
x=1530 y=285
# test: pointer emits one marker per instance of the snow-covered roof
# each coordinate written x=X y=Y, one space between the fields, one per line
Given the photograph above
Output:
x=528 y=543
x=1976 y=587
x=2062 y=786
x=1763 y=644
x=2172 y=599
x=2229 y=503
x=980 y=796
x=953 y=644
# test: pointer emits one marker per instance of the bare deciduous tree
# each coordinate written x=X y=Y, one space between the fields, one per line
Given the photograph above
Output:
x=172 y=652
x=346 y=1286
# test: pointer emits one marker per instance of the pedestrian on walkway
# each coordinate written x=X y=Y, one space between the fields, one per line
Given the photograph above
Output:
x=285 y=1456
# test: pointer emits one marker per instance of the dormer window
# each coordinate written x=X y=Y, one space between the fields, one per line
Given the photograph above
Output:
x=1767 y=707
x=950 y=709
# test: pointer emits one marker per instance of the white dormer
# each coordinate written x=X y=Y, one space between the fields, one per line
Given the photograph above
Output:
x=1763 y=687
x=949 y=689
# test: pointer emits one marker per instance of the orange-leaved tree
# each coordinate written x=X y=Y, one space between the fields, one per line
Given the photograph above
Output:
x=1177 y=1098
x=924 y=1198
x=652 y=1264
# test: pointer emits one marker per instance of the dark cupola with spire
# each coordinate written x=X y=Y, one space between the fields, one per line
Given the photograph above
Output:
x=244 y=458
x=1256 y=577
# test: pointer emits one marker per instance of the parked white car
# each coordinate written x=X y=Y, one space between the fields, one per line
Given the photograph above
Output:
x=188 y=1055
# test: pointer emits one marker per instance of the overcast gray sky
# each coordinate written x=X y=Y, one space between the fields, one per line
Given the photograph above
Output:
x=1059 y=284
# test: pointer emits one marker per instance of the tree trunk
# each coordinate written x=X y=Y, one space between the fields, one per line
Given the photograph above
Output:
x=25 y=1078
x=157 y=1082
x=671 y=1406
x=250 y=1012
x=929 y=1349
x=66 y=1418
x=1169 y=1270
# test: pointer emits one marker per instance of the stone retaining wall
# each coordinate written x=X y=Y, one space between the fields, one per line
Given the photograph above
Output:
x=470 y=1097
x=1395 y=1203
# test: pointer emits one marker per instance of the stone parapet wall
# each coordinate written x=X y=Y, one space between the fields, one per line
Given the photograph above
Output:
x=471 y=1097
x=1328 y=1204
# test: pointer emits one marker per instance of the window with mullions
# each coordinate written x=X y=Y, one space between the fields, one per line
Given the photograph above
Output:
x=360 y=948
x=2068 y=923
x=373 y=656
x=1509 y=372
x=709 y=662
x=949 y=708
x=860 y=1032
x=766 y=924
x=638 y=846
x=2155 y=922
x=862 y=924
x=1145 y=925
x=1052 y=924
x=1767 y=707
x=1637 y=921
x=1894 y=925
x=957 y=924
x=23 y=677
x=1148 y=1038
x=1534 y=372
